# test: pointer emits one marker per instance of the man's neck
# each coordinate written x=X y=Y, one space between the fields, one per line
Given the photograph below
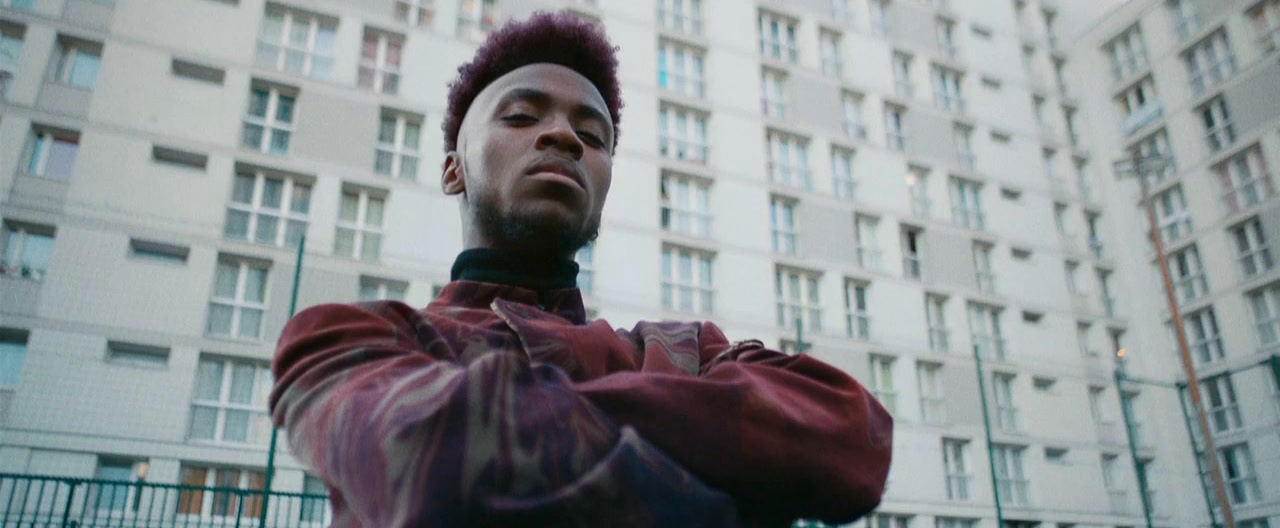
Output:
x=514 y=268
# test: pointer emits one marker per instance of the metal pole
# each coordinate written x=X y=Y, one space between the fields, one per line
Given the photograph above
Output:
x=275 y=431
x=986 y=426
x=1138 y=469
x=799 y=336
x=1188 y=368
x=1191 y=434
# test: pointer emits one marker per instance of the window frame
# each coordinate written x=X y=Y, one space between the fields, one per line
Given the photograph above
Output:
x=291 y=224
x=399 y=149
x=362 y=230
x=699 y=284
x=799 y=295
x=379 y=68
x=258 y=423
x=270 y=123
x=289 y=18
x=239 y=303
x=694 y=212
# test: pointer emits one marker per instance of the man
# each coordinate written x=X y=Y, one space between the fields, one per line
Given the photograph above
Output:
x=500 y=405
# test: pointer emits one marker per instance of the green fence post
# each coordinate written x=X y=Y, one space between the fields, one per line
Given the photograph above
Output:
x=275 y=431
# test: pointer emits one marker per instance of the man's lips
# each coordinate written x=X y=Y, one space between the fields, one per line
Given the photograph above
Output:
x=558 y=172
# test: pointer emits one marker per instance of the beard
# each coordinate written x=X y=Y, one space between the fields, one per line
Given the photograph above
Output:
x=532 y=235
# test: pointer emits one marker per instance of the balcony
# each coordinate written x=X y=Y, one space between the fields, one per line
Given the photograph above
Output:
x=1142 y=117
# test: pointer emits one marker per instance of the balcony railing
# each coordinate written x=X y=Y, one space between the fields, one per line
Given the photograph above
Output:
x=858 y=325
x=986 y=282
x=855 y=130
x=46 y=501
x=1014 y=490
x=1007 y=418
x=939 y=340
x=1141 y=117
x=790 y=175
x=990 y=347
x=911 y=267
x=23 y=270
x=682 y=149
x=868 y=257
x=920 y=206
x=1248 y=193
x=1213 y=74
x=680 y=22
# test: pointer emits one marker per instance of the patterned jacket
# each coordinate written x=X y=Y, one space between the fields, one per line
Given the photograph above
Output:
x=488 y=409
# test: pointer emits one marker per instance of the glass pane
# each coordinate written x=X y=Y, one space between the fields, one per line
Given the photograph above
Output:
x=293 y=232
x=301 y=202
x=37 y=153
x=237 y=226
x=62 y=155
x=219 y=319
x=272 y=26
x=280 y=141
x=255 y=287
x=412 y=133
x=242 y=376
x=284 y=109
x=372 y=246
x=373 y=212
x=272 y=193
x=369 y=50
x=250 y=322
x=224 y=281
x=364 y=78
x=236 y=426
x=203 y=420
x=299 y=32
x=382 y=162
x=208 y=380
x=409 y=167
x=321 y=67
x=267 y=54
x=368 y=291
x=261 y=432
x=84 y=69
x=349 y=207
x=325 y=37
x=242 y=189
x=387 y=130
x=390 y=83
x=345 y=243
x=252 y=136
x=268 y=228
x=258 y=102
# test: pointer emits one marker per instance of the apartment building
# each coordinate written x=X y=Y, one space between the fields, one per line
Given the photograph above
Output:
x=898 y=187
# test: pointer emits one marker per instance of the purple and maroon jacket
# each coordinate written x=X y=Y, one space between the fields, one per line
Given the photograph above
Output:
x=488 y=408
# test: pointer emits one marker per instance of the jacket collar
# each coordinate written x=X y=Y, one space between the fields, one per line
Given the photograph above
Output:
x=564 y=302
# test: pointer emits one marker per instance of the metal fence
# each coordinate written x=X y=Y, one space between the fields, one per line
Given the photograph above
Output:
x=36 y=501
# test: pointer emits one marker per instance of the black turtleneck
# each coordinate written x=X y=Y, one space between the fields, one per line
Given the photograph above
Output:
x=507 y=267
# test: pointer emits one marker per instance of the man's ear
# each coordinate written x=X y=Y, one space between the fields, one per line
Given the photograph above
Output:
x=453 y=180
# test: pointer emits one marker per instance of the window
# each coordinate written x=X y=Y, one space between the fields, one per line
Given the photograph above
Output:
x=376 y=289
x=944 y=31
x=782 y=215
x=955 y=460
x=912 y=251
x=885 y=520
x=1006 y=411
x=360 y=224
x=229 y=403
x=966 y=204
x=1241 y=477
x=681 y=69
x=686 y=205
x=178 y=157
x=778 y=37
x=1265 y=17
x=1096 y=410
x=831 y=48
x=1140 y=104
x=396 y=154
x=295 y=41
x=682 y=134
x=933 y=405
x=867 y=243
x=935 y=315
x=78 y=62
x=797 y=295
x=946 y=89
x=984 y=331
x=851 y=105
x=773 y=89
x=13 y=353
x=1188 y=274
x=1010 y=480
x=684 y=16
x=894 y=135
x=879 y=14
x=380 y=61
x=686 y=280
x=841 y=12
x=918 y=191
x=207 y=504
x=1172 y=215
x=27 y=248
x=29 y=5
x=10 y=53
x=789 y=160
x=53 y=152
x=952 y=522
x=1185 y=18
x=108 y=498
x=1219 y=131
x=137 y=354
x=902 y=75
x=1082 y=337
x=239 y=298
x=1223 y=411
x=857 y=318
x=267 y=209
x=1129 y=401
x=586 y=258
x=198 y=72
x=314 y=508
x=415 y=12
x=1253 y=523
x=882 y=382
x=1245 y=180
x=1157 y=144
x=268 y=125
x=1109 y=479
x=158 y=251
x=1127 y=52
x=1206 y=341
x=476 y=18
x=1251 y=247
x=1210 y=62
x=842 y=184
x=1104 y=292
x=985 y=275
x=1072 y=269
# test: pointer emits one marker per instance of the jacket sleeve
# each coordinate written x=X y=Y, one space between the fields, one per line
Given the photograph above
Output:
x=788 y=436
x=409 y=436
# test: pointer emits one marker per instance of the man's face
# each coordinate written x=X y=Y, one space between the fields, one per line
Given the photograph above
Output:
x=534 y=161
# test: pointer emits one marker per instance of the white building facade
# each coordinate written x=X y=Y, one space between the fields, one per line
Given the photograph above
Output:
x=913 y=183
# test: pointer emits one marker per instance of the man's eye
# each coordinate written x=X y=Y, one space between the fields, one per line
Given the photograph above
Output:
x=520 y=118
x=592 y=138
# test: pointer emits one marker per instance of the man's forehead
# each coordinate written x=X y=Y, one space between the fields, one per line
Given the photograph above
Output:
x=558 y=82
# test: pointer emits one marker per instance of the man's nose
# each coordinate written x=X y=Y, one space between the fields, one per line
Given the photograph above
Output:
x=559 y=134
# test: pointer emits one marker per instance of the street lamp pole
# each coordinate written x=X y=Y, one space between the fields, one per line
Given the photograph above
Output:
x=1141 y=167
